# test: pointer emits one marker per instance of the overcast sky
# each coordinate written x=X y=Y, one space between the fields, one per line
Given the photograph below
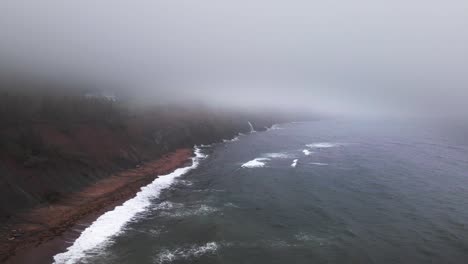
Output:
x=356 y=57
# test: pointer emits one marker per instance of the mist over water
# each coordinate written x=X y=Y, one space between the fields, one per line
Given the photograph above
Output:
x=355 y=58
x=371 y=192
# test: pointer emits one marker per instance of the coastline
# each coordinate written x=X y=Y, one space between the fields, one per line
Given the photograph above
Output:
x=45 y=231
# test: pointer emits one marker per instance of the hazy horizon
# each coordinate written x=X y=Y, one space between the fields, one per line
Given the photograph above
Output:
x=356 y=58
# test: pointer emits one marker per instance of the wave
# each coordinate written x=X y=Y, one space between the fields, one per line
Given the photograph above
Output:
x=252 y=129
x=307 y=152
x=319 y=164
x=195 y=251
x=99 y=233
x=232 y=205
x=323 y=145
x=279 y=155
x=255 y=163
x=261 y=162
x=294 y=164
x=274 y=127
x=231 y=140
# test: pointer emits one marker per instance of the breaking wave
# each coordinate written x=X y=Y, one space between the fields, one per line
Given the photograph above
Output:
x=294 y=164
x=276 y=127
x=319 y=163
x=307 y=152
x=232 y=205
x=252 y=129
x=323 y=145
x=255 y=163
x=277 y=155
x=99 y=233
x=261 y=162
x=231 y=140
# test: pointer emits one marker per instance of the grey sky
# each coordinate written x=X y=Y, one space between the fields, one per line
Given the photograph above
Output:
x=356 y=56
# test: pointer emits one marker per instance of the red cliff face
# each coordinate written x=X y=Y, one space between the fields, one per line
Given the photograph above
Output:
x=52 y=145
x=62 y=161
x=42 y=160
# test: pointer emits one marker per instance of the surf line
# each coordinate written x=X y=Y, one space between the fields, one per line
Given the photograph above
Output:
x=112 y=222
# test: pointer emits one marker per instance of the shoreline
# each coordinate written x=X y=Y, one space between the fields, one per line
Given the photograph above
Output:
x=46 y=230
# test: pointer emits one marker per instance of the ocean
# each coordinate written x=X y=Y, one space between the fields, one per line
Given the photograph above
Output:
x=326 y=191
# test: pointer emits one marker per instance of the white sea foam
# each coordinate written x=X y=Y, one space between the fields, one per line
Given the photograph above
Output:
x=166 y=205
x=156 y=232
x=185 y=182
x=294 y=164
x=307 y=152
x=252 y=129
x=261 y=162
x=205 y=209
x=275 y=127
x=255 y=163
x=319 y=164
x=306 y=237
x=231 y=140
x=231 y=205
x=277 y=155
x=184 y=212
x=186 y=253
x=323 y=145
x=99 y=233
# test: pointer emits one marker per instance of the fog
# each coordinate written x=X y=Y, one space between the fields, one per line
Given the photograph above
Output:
x=357 y=57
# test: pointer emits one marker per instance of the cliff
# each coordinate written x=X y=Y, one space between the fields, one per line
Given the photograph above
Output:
x=54 y=145
x=67 y=155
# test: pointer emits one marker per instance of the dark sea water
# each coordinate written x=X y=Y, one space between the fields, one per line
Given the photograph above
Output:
x=368 y=192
